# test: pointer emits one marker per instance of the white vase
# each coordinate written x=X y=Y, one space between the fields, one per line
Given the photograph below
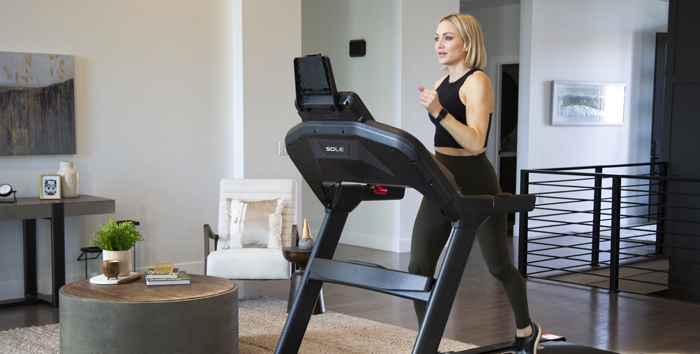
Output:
x=124 y=258
x=70 y=181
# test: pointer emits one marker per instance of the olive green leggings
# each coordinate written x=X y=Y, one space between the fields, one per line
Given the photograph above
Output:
x=474 y=176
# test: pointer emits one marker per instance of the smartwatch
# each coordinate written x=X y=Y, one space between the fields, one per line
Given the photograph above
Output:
x=443 y=113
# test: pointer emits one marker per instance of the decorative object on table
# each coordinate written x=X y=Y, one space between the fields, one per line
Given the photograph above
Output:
x=37 y=104
x=306 y=242
x=182 y=279
x=116 y=240
x=5 y=191
x=102 y=279
x=110 y=269
x=163 y=268
x=136 y=250
x=50 y=187
x=587 y=103
x=70 y=180
x=153 y=274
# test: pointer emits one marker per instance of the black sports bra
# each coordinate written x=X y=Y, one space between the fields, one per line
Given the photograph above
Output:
x=448 y=93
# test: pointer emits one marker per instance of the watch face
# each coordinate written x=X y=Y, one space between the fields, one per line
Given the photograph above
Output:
x=5 y=190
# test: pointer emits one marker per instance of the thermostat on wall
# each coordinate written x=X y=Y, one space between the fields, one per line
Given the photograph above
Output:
x=358 y=48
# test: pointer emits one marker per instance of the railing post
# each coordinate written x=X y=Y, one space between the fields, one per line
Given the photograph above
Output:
x=597 y=200
x=615 y=235
x=661 y=212
x=522 y=237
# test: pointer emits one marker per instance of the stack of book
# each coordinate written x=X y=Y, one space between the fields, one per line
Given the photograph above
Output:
x=165 y=274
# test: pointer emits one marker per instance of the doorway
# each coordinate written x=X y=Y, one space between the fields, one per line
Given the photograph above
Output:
x=508 y=131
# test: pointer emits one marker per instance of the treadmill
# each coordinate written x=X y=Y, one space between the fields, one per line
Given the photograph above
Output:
x=347 y=157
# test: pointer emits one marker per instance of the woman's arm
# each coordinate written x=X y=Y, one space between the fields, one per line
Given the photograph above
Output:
x=477 y=95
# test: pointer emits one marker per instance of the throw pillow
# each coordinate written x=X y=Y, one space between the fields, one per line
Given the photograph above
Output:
x=224 y=242
x=256 y=224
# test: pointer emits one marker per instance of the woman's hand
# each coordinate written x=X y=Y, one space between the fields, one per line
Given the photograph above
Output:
x=429 y=99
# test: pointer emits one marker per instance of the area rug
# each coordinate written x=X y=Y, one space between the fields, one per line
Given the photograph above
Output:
x=261 y=320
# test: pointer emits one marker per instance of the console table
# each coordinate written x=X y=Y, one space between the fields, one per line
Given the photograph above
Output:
x=30 y=209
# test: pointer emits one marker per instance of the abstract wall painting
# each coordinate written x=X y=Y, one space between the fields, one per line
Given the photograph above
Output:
x=587 y=103
x=37 y=104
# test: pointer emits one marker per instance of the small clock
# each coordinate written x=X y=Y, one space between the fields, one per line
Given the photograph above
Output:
x=5 y=191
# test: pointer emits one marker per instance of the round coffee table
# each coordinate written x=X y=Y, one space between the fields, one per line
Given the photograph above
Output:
x=136 y=318
x=300 y=257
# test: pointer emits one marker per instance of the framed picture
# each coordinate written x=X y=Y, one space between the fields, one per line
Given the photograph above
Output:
x=50 y=187
x=587 y=103
x=37 y=109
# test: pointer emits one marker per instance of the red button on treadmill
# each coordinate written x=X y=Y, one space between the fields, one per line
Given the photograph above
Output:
x=381 y=190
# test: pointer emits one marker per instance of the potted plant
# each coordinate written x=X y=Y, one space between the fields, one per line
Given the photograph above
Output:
x=115 y=240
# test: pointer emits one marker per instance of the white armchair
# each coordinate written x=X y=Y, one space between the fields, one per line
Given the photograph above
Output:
x=241 y=263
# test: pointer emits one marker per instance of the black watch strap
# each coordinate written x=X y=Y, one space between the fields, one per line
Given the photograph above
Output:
x=443 y=113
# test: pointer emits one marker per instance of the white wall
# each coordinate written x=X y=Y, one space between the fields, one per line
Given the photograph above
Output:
x=153 y=121
x=154 y=114
x=400 y=57
x=271 y=39
x=327 y=28
x=500 y=26
x=596 y=40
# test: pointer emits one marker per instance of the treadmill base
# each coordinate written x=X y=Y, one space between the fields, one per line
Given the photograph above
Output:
x=549 y=347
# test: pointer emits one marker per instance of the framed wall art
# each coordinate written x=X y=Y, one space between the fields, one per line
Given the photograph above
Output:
x=37 y=104
x=50 y=187
x=587 y=103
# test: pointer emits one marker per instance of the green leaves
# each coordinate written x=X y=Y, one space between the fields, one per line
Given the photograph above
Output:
x=116 y=237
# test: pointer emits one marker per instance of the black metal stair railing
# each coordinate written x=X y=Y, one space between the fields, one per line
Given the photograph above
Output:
x=627 y=228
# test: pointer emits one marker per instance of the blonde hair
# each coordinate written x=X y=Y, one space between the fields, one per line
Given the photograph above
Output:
x=470 y=31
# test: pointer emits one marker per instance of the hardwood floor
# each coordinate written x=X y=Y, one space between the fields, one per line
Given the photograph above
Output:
x=623 y=323
x=25 y=316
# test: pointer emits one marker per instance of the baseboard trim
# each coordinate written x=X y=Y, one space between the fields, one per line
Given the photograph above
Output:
x=374 y=241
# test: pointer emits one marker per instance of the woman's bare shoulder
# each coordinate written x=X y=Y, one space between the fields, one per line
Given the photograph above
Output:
x=478 y=87
x=476 y=81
